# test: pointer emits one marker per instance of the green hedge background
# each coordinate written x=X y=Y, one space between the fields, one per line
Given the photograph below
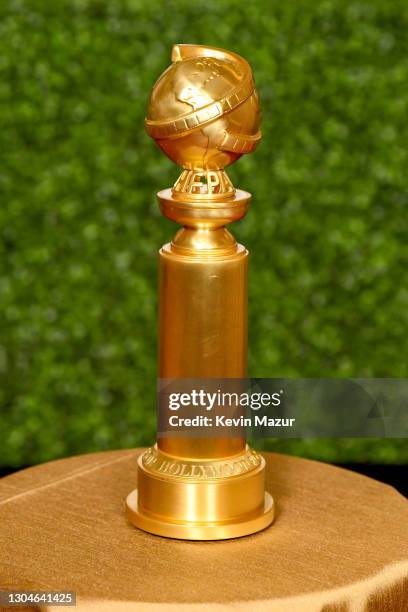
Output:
x=80 y=227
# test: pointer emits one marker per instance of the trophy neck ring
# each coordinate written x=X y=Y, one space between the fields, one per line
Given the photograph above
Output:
x=204 y=214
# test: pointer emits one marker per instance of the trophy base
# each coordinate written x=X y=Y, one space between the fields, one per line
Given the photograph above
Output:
x=199 y=531
x=200 y=500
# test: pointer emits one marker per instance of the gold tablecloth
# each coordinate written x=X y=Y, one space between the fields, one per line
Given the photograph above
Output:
x=339 y=543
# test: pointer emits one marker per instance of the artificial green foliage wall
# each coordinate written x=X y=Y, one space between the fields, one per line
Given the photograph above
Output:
x=80 y=227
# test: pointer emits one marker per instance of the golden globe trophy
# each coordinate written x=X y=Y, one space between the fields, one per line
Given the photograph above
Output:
x=203 y=114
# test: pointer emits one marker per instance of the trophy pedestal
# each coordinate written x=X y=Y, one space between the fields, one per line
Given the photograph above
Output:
x=200 y=500
x=200 y=531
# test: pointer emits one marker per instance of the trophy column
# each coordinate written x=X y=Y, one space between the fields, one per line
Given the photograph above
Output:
x=204 y=115
x=203 y=310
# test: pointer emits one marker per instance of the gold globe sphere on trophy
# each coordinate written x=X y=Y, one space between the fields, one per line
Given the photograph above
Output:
x=203 y=114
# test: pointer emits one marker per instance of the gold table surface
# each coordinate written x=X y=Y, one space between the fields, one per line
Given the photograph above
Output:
x=339 y=543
